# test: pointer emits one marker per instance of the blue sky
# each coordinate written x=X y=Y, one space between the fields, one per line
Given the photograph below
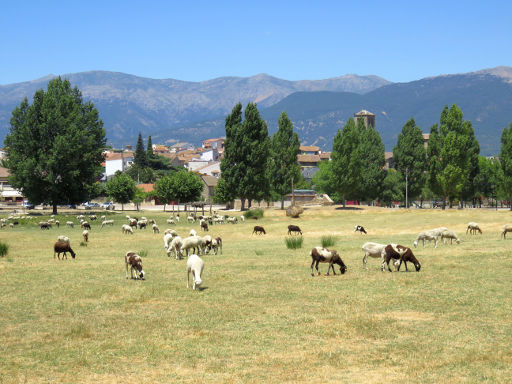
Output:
x=200 y=40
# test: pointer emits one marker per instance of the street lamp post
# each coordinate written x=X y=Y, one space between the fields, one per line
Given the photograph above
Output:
x=406 y=188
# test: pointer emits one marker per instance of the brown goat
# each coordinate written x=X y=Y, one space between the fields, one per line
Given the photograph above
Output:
x=399 y=252
x=324 y=255
x=259 y=230
x=62 y=247
x=294 y=228
x=204 y=226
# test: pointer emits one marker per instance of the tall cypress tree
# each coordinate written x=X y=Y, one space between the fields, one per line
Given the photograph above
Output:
x=283 y=167
x=372 y=147
x=409 y=156
x=149 y=150
x=140 y=155
x=346 y=163
x=231 y=166
x=506 y=161
x=254 y=154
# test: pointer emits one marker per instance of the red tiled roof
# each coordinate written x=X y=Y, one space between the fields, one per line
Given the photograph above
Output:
x=311 y=148
x=308 y=158
x=146 y=187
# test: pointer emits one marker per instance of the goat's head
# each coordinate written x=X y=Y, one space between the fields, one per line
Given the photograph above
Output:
x=417 y=265
x=142 y=274
x=457 y=241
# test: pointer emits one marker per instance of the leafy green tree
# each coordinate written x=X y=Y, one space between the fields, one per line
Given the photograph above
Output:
x=347 y=162
x=488 y=183
x=141 y=174
x=164 y=190
x=434 y=161
x=392 y=188
x=149 y=150
x=506 y=162
x=472 y=151
x=139 y=197
x=373 y=159
x=222 y=195
x=410 y=156
x=232 y=168
x=187 y=186
x=121 y=188
x=323 y=180
x=284 y=169
x=254 y=155
x=139 y=158
x=54 y=146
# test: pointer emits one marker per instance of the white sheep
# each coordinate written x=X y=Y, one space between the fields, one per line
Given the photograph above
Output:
x=85 y=235
x=506 y=228
x=126 y=229
x=192 y=242
x=64 y=239
x=175 y=247
x=155 y=228
x=107 y=222
x=191 y=219
x=195 y=265
x=242 y=217
x=473 y=228
x=192 y=233
x=70 y=224
x=373 y=250
x=167 y=240
x=171 y=232
x=171 y=221
x=426 y=235
x=447 y=234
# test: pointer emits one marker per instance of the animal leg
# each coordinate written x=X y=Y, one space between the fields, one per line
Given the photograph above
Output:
x=126 y=270
x=316 y=266
x=405 y=263
x=365 y=259
x=188 y=276
x=312 y=264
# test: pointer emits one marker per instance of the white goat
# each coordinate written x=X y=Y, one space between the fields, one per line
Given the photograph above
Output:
x=171 y=221
x=126 y=229
x=447 y=234
x=195 y=265
x=375 y=250
x=175 y=247
x=473 y=228
x=70 y=224
x=195 y=243
x=107 y=222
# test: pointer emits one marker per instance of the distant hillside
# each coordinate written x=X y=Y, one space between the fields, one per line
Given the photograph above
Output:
x=485 y=99
x=129 y=104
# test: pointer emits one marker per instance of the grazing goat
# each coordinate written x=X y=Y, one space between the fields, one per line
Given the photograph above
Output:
x=473 y=228
x=232 y=220
x=258 y=230
x=242 y=217
x=371 y=249
x=175 y=247
x=155 y=228
x=195 y=265
x=195 y=243
x=506 y=228
x=216 y=245
x=399 y=252
x=42 y=225
x=171 y=232
x=142 y=224
x=204 y=226
x=360 y=229
x=447 y=234
x=426 y=235
x=191 y=219
x=85 y=225
x=85 y=235
x=70 y=224
x=294 y=228
x=192 y=233
x=134 y=261
x=62 y=247
x=171 y=221
x=324 y=255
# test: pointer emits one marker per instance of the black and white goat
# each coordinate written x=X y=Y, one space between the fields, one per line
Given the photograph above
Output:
x=360 y=229
x=324 y=255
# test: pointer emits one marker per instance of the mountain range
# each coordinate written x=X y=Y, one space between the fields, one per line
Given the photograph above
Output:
x=180 y=111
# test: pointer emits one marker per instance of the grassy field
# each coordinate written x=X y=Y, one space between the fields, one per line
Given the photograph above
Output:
x=261 y=316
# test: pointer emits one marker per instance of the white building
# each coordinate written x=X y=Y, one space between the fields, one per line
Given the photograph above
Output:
x=211 y=169
x=117 y=162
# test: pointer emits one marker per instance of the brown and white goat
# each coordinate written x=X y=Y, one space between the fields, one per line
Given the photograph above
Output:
x=134 y=261
x=399 y=252
x=324 y=255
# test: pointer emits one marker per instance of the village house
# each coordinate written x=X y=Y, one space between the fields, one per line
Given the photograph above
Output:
x=117 y=161
x=7 y=193
x=210 y=183
x=210 y=169
x=217 y=143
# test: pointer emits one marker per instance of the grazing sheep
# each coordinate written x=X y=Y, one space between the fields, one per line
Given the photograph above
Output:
x=294 y=228
x=360 y=229
x=373 y=250
x=175 y=247
x=85 y=235
x=506 y=228
x=93 y=217
x=258 y=230
x=195 y=243
x=191 y=219
x=195 y=265
x=242 y=217
x=155 y=228
x=204 y=226
x=57 y=223
x=399 y=252
x=42 y=225
x=107 y=222
x=133 y=223
x=192 y=233
x=177 y=218
x=426 y=235
x=216 y=245
x=437 y=231
x=142 y=224
x=472 y=228
x=62 y=247
x=63 y=238
x=103 y=217
x=126 y=229
x=324 y=255
x=151 y=221
x=135 y=262
x=70 y=224
x=80 y=217
x=207 y=240
x=447 y=234
x=232 y=220
x=85 y=225
x=11 y=225
x=167 y=240
x=171 y=221
x=171 y=232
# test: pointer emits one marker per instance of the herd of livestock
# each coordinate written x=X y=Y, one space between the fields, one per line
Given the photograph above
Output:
x=194 y=245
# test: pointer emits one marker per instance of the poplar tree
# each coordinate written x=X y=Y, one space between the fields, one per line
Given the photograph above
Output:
x=346 y=166
x=254 y=155
x=410 y=157
x=373 y=159
x=434 y=161
x=140 y=154
x=284 y=168
x=506 y=161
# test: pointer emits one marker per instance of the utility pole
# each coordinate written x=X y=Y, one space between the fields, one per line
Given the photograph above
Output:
x=406 y=188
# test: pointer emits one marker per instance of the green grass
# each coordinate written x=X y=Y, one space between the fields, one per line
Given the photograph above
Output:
x=4 y=249
x=328 y=241
x=256 y=212
x=293 y=242
x=261 y=316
